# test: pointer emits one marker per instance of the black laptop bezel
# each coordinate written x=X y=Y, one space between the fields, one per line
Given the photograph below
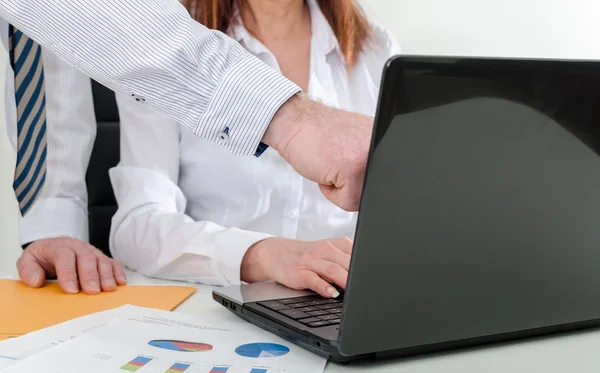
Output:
x=394 y=67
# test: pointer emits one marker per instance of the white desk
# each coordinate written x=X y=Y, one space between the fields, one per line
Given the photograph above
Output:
x=573 y=353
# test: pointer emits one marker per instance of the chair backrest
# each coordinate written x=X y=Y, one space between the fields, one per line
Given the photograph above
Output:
x=105 y=155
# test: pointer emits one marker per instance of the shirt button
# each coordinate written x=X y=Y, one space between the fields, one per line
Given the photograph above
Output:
x=293 y=214
x=223 y=137
x=138 y=98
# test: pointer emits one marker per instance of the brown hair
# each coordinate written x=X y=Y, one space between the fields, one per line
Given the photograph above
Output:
x=346 y=18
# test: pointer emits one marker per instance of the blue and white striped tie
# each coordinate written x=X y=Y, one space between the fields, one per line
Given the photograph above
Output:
x=30 y=172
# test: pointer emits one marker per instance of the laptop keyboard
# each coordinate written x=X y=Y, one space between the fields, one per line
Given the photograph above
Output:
x=313 y=311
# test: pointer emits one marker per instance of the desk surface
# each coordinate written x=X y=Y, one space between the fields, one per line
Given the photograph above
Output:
x=576 y=352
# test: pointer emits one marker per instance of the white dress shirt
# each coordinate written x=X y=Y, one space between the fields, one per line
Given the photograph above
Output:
x=189 y=209
x=61 y=208
x=156 y=55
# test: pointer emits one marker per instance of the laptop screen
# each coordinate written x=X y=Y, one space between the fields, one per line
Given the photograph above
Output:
x=481 y=208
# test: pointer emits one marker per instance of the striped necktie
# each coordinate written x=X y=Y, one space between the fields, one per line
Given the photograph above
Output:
x=30 y=172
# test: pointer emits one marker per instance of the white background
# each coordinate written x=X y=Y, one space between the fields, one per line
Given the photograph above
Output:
x=499 y=28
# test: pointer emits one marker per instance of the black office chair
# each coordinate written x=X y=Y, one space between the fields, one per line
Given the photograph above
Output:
x=105 y=155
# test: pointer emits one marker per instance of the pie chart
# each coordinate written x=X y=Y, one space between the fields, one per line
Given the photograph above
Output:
x=259 y=350
x=183 y=346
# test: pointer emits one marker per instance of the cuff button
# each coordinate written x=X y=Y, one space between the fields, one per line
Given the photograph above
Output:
x=223 y=137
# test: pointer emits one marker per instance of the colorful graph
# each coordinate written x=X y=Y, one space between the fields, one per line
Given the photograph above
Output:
x=255 y=370
x=257 y=350
x=136 y=364
x=219 y=370
x=177 y=368
x=180 y=345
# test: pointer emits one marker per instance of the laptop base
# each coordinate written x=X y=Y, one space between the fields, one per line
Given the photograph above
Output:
x=313 y=343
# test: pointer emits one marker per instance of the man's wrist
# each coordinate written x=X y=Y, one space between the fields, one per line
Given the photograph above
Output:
x=287 y=122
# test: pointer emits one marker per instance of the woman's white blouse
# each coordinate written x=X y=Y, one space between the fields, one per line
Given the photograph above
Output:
x=189 y=209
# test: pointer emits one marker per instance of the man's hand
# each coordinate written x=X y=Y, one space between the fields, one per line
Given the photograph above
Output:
x=73 y=262
x=325 y=145
x=316 y=265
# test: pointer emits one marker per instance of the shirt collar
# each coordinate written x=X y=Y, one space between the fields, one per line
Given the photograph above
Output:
x=323 y=37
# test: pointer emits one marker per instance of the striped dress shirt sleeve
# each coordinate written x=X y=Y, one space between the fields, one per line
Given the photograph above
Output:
x=153 y=52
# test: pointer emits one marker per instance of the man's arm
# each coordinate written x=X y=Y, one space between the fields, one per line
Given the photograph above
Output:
x=61 y=209
x=153 y=52
x=55 y=231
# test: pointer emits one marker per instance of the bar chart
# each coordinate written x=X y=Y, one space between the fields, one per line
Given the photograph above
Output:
x=219 y=370
x=240 y=369
x=177 y=368
x=135 y=364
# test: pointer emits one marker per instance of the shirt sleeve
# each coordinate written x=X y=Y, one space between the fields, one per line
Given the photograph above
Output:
x=151 y=233
x=155 y=54
x=61 y=209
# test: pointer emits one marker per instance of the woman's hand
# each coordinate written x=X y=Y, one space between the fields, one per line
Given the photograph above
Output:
x=316 y=265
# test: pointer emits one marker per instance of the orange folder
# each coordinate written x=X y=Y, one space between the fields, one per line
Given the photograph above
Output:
x=24 y=309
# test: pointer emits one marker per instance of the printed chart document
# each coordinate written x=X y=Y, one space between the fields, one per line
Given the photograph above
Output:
x=14 y=350
x=168 y=342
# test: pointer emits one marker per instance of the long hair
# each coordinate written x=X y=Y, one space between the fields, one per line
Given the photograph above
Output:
x=345 y=17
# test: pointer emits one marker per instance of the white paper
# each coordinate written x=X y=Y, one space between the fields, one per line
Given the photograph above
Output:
x=15 y=349
x=169 y=342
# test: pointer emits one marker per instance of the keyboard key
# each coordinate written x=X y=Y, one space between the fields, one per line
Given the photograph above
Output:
x=275 y=306
x=327 y=301
x=307 y=298
x=335 y=310
x=269 y=303
x=319 y=323
x=313 y=302
x=294 y=314
x=299 y=305
x=334 y=321
x=328 y=317
x=327 y=306
x=309 y=320
x=307 y=309
x=289 y=301
x=318 y=313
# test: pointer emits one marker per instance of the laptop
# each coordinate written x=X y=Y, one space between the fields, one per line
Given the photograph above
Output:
x=479 y=220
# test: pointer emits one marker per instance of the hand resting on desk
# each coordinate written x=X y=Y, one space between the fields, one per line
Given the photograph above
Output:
x=73 y=263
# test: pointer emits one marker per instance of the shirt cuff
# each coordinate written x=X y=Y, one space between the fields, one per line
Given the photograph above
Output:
x=262 y=147
x=233 y=245
x=54 y=217
x=243 y=105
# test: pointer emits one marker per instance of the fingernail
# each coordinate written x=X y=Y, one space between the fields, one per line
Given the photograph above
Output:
x=93 y=285
x=334 y=293
x=122 y=279
x=35 y=278
x=72 y=287
x=110 y=283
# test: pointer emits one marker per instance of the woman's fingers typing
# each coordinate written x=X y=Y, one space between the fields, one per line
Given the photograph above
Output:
x=321 y=266
x=315 y=283
x=328 y=263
